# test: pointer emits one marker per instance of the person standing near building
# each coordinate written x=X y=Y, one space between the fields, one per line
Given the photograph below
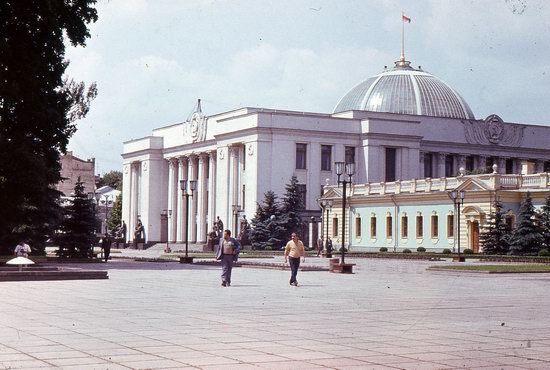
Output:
x=106 y=245
x=228 y=252
x=319 y=245
x=293 y=251
x=122 y=232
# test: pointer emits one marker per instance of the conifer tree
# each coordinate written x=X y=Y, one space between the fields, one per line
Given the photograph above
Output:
x=527 y=237
x=291 y=207
x=77 y=232
x=545 y=223
x=496 y=234
x=266 y=231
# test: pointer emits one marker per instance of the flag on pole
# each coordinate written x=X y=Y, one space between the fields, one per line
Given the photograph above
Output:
x=406 y=19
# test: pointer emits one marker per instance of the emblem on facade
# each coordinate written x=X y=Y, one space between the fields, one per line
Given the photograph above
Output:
x=195 y=127
x=144 y=166
x=492 y=130
x=220 y=154
x=126 y=168
x=250 y=149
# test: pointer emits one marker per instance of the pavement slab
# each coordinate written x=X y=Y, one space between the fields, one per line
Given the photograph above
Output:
x=389 y=314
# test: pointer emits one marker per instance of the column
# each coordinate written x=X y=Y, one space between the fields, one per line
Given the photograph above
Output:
x=193 y=202
x=501 y=162
x=183 y=164
x=202 y=187
x=134 y=200
x=441 y=165
x=421 y=173
x=172 y=198
x=212 y=189
x=461 y=163
x=481 y=162
x=234 y=186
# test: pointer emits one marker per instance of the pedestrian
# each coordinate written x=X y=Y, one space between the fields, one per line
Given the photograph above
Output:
x=228 y=253
x=319 y=245
x=106 y=244
x=293 y=251
x=329 y=247
x=122 y=232
x=22 y=250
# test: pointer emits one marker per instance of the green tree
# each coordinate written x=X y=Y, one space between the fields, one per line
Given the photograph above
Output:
x=496 y=234
x=266 y=231
x=112 y=179
x=545 y=223
x=77 y=235
x=38 y=111
x=527 y=237
x=291 y=207
x=115 y=218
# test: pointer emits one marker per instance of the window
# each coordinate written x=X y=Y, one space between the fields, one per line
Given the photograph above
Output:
x=350 y=154
x=509 y=166
x=389 y=228
x=428 y=165
x=391 y=154
x=326 y=157
x=419 y=227
x=449 y=166
x=373 y=227
x=404 y=227
x=358 y=227
x=435 y=226
x=334 y=227
x=301 y=152
x=302 y=192
x=450 y=226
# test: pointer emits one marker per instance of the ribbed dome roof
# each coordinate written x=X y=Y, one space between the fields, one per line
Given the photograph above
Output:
x=406 y=90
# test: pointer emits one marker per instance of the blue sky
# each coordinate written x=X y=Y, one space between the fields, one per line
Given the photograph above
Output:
x=153 y=59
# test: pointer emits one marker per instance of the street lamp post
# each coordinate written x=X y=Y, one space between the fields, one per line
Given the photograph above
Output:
x=349 y=169
x=186 y=195
x=327 y=205
x=458 y=201
x=236 y=210
x=106 y=211
x=168 y=217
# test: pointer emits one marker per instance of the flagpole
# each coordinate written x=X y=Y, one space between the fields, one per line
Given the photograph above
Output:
x=402 y=37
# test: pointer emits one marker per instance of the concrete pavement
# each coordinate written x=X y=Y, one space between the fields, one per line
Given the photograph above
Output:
x=389 y=315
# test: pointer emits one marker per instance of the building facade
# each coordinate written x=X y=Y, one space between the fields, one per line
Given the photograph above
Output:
x=420 y=213
x=400 y=125
x=71 y=169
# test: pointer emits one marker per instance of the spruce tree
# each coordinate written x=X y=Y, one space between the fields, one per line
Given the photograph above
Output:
x=496 y=233
x=266 y=231
x=545 y=223
x=77 y=233
x=291 y=207
x=39 y=106
x=527 y=237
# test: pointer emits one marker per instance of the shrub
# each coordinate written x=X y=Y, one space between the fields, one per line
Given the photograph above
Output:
x=407 y=250
x=383 y=249
x=446 y=251
x=468 y=251
x=421 y=249
x=544 y=253
x=268 y=248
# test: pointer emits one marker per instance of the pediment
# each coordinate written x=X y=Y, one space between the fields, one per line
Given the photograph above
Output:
x=473 y=184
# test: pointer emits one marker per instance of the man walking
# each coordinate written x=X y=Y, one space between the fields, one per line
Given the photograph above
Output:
x=293 y=251
x=228 y=252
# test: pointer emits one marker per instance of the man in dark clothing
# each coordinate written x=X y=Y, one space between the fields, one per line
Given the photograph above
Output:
x=228 y=252
x=106 y=244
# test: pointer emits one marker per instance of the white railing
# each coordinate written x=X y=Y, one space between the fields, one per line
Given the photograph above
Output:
x=493 y=181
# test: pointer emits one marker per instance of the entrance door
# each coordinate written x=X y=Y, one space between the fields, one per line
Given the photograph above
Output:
x=474 y=242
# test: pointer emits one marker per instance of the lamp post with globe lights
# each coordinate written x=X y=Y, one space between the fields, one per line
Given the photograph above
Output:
x=185 y=194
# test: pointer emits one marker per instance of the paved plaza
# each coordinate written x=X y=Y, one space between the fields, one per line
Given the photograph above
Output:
x=389 y=314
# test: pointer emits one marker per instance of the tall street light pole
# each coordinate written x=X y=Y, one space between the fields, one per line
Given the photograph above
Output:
x=186 y=195
x=106 y=212
x=327 y=205
x=458 y=201
x=349 y=169
x=236 y=210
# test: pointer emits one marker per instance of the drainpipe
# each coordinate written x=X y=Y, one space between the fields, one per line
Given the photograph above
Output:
x=392 y=197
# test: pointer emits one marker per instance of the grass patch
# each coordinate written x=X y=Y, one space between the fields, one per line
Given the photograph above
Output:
x=496 y=269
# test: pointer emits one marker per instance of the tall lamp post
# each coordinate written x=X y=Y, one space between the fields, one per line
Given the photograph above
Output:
x=186 y=195
x=236 y=210
x=458 y=201
x=107 y=196
x=327 y=206
x=349 y=169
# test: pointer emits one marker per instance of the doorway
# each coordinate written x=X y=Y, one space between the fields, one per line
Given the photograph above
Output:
x=474 y=236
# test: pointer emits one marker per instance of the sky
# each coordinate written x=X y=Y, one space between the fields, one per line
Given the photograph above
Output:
x=152 y=59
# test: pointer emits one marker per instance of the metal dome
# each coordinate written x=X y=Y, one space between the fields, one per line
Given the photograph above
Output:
x=406 y=90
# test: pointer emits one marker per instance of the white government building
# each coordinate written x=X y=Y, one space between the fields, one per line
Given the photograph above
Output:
x=401 y=124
